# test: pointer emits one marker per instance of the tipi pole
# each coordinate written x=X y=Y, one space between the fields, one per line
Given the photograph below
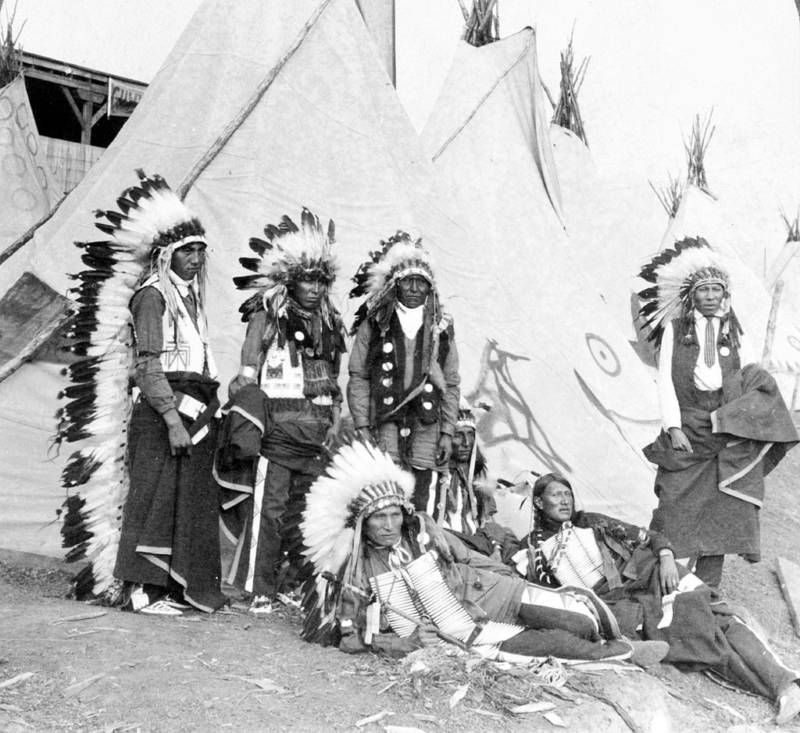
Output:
x=773 y=316
x=194 y=173
x=28 y=235
x=198 y=168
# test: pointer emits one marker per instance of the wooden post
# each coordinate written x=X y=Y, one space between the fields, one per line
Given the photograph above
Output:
x=380 y=21
x=85 y=114
x=789 y=579
x=773 y=316
x=86 y=123
x=89 y=117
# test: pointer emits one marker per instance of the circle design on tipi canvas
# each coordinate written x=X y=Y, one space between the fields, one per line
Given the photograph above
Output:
x=6 y=136
x=6 y=108
x=32 y=143
x=23 y=199
x=603 y=355
x=41 y=177
x=13 y=164
x=23 y=119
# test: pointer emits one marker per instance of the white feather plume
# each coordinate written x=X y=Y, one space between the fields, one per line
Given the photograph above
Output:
x=328 y=521
x=402 y=259
x=96 y=476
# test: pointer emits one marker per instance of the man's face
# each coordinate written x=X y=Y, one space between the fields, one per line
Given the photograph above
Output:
x=556 y=502
x=708 y=298
x=384 y=527
x=412 y=290
x=309 y=293
x=463 y=440
x=188 y=259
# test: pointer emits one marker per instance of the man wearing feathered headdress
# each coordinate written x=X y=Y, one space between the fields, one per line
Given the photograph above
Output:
x=286 y=402
x=725 y=424
x=404 y=384
x=389 y=580
x=166 y=551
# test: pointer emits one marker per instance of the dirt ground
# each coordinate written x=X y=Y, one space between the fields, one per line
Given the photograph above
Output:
x=116 y=671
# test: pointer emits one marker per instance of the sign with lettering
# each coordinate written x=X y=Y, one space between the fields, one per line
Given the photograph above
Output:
x=122 y=97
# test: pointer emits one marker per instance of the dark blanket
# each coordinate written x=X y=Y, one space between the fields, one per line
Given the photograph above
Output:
x=709 y=498
x=288 y=432
x=170 y=529
x=705 y=632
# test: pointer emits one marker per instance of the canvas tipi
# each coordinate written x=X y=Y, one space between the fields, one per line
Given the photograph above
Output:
x=260 y=109
x=572 y=395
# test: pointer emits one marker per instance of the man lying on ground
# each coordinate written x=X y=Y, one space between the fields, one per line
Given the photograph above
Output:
x=634 y=571
x=389 y=580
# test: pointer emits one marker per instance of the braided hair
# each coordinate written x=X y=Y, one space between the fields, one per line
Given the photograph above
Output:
x=539 y=570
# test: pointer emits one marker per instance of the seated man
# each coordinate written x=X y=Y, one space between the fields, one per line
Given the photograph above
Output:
x=634 y=571
x=467 y=499
x=388 y=580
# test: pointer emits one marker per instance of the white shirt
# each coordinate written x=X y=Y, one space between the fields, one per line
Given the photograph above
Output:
x=706 y=378
x=410 y=319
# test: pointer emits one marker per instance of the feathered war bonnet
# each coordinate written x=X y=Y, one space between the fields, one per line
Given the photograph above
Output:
x=149 y=225
x=360 y=480
x=397 y=257
x=288 y=254
x=675 y=274
x=154 y=222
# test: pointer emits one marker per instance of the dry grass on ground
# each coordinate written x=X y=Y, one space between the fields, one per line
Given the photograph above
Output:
x=123 y=672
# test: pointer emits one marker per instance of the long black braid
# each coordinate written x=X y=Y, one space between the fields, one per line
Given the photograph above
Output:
x=539 y=570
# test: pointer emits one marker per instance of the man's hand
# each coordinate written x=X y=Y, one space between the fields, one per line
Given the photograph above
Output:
x=668 y=572
x=179 y=441
x=679 y=440
x=331 y=438
x=332 y=434
x=445 y=448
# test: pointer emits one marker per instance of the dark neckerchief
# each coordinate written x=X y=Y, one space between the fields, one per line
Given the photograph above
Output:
x=323 y=339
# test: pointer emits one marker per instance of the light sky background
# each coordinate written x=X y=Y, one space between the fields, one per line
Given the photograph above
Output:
x=654 y=65
x=133 y=38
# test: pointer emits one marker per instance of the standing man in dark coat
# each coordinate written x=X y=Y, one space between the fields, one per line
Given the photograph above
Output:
x=404 y=383
x=725 y=425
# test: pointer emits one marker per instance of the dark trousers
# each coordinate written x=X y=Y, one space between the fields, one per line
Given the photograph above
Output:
x=422 y=489
x=272 y=536
x=749 y=663
x=709 y=569
x=563 y=644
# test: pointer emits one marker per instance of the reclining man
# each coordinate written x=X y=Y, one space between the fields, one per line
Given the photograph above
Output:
x=634 y=571
x=389 y=580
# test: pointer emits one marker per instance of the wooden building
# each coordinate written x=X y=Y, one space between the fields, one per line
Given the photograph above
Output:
x=78 y=112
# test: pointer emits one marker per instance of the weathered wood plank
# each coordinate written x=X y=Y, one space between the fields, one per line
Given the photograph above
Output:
x=789 y=578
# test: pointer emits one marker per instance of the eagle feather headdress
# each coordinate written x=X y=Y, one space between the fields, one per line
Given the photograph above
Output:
x=675 y=274
x=360 y=480
x=397 y=257
x=287 y=254
x=142 y=235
